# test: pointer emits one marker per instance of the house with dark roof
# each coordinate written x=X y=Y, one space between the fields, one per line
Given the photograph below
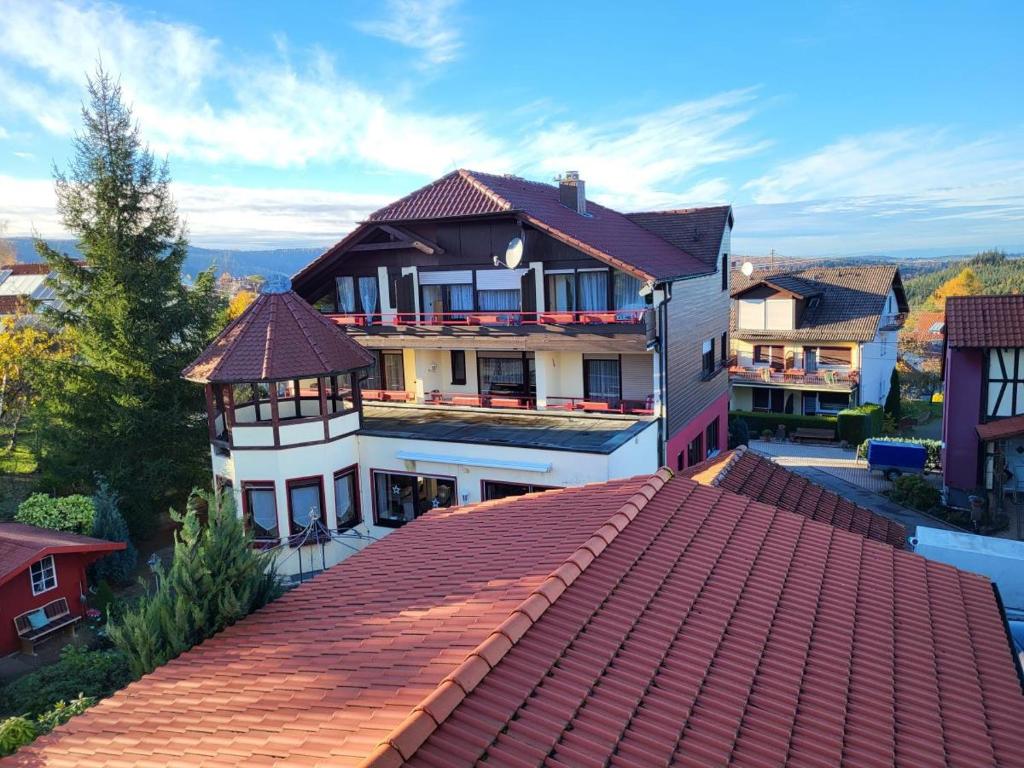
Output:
x=983 y=406
x=43 y=582
x=644 y=621
x=814 y=341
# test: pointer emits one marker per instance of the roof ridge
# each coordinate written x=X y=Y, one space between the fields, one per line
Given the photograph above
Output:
x=738 y=453
x=481 y=187
x=403 y=741
x=694 y=209
x=298 y=316
x=237 y=326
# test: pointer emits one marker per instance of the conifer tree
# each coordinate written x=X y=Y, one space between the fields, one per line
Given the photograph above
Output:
x=117 y=567
x=119 y=407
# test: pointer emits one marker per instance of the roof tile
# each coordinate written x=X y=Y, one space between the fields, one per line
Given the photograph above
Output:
x=985 y=321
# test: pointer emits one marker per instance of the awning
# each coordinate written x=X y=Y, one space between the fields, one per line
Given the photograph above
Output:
x=1011 y=426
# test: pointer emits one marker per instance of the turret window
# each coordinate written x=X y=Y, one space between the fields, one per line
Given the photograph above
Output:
x=259 y=508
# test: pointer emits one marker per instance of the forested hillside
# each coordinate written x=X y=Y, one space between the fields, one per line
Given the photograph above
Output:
x=994 y=270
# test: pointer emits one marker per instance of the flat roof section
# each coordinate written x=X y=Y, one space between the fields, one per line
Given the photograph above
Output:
x=556 y=432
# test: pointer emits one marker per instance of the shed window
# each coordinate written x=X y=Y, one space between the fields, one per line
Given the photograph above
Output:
x=44 y=575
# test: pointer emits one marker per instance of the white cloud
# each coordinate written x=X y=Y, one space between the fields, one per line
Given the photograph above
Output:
x=216 y=216
x=24 y=155
x=424 y=25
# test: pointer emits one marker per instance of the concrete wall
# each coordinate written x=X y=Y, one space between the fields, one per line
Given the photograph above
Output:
x=960 y=414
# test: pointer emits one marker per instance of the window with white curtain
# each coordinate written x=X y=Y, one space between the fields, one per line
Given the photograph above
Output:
x=368 y=294
x=561 y=292
x=602 y=379
x=503 y=300
x=261 y=511
x=627 y=292
x=346 y=294
x=346 y=506
x=501 y=373
x=594 y=291
x=305 y=502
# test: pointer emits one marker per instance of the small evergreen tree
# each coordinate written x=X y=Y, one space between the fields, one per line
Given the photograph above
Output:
x=892 y=400
x=117 y=567
x=215 y=579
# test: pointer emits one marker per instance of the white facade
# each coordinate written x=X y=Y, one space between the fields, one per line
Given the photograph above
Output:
x=878 y=359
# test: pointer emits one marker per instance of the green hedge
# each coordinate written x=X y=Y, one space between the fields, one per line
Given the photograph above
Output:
x=65 y=513
x=759 y=422
x=858 y=424
x=934 y=460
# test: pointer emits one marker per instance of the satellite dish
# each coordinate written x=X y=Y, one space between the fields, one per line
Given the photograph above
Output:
x=747 y=268
x=514 y=252
x=276 y=282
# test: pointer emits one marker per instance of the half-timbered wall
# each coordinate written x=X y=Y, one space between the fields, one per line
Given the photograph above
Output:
x=1004 y=390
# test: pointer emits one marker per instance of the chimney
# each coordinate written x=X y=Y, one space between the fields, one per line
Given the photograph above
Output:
x=572 y=193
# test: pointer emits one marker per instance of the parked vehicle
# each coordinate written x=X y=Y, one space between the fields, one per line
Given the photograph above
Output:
x=894 y=459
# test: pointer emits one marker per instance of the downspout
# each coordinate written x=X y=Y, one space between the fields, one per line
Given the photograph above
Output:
x=663 y=376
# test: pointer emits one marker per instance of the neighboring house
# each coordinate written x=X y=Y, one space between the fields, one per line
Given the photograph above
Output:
x=651 y=621
x=921 y=339
x=43 y=582
x=814 y=341
x=22 y=285
x=604 y=313
x=983 y=407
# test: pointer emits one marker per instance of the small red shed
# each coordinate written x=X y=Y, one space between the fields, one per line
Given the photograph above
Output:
x=43 y=582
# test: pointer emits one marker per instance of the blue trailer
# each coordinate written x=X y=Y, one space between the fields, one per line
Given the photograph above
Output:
x=894 y=459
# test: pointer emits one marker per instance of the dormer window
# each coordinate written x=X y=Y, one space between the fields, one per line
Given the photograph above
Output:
x=767 y=313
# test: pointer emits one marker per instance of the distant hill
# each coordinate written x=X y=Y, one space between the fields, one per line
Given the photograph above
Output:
x=237 y=262
x=998 y=273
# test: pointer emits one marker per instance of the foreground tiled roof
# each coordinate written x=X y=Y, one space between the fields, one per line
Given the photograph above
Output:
x=750 y=474
x=1000 y=429
x=692 y=626
x=698 y=231
x=850 y=304
x=279 y=336
x=602 y=233
x=21 y=545
x=985 y=321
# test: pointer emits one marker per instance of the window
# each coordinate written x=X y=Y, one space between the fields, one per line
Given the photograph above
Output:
x=401 y=498
x=829 y=402
x=446 y=302
x=387 y=371
x=346 y=288
x=602 y=379
x=498 y=300
x=368 y=295
x=495 y=490
x=346 y=499
x=626 y=293
x=44 y=575
x=708 y=358
x=834 y=357
x=305 y=505
x=769 y=399
x=506 y=375
x=772 y=355
x=725 y=348
x=560 y=292
x=593 y=290
x=259 y=510
x=458 y=366
x=711 y=436
x=725 y=271
x=695 y=451
x=338 y=391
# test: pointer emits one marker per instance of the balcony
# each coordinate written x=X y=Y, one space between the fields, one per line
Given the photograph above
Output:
x=494 y=318
x=515 y=402
x=839 y=379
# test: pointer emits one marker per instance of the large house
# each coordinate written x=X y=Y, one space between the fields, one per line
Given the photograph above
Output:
x=484 y=337
x=43 y=582
x=983 y=410
x=648 y=621
x=814 y=341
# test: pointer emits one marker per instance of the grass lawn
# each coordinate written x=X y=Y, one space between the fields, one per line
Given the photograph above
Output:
x=921 y=410
x=17 y=472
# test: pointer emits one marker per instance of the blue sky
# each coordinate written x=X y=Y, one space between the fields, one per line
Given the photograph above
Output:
x=833 y=128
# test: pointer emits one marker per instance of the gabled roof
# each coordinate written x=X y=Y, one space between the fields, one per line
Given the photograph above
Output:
x=985 y=321
x=698 y=231
x=21 y=545
x=279 y=336
x=651 y=621
x=757 y=477
x=602 y=233
x=850 y=301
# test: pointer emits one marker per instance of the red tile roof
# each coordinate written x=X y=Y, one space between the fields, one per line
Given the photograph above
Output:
x=13 y=304
x=21 y=545
x=714 y=630
x=692 y=626
x=279 y=336
x=698 y=231
x=1000 y=429
x=35 y=268
x=919 y=326
x=750 y=474
x=602 y=233
x=985 y=321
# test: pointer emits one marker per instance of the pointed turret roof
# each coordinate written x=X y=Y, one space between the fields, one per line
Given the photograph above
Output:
x=279 y=336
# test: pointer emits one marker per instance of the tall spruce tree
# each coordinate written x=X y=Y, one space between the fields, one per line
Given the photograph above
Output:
x=120 y=407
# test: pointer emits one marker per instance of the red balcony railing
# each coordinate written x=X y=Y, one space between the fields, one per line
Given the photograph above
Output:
x=839 y=378
x=583 y=317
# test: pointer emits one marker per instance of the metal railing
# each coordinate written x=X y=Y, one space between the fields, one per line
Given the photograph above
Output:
x=495 y=317
x=511 y=401
x=840 y=378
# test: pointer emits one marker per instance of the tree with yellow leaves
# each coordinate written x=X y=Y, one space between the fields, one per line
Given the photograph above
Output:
x=964 y=284
x=239 y=302
x=26 y=352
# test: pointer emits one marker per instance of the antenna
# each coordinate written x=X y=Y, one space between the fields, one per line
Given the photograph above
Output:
x=747 y=268
x=513 y=254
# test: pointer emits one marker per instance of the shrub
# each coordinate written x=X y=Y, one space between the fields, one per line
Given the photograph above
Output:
x=915 y=492
x=103 y=600
x=108 y=524
x=855 y=425
x=15 y=732
x=739 y=432
x=758 y=422
x=892 y=400
x=65 y=513
x=933 y=460
x=79 y=671
x=62 y=712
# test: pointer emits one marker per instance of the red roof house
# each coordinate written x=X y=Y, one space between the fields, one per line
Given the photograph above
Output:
x=42 y=581
x=649 y=621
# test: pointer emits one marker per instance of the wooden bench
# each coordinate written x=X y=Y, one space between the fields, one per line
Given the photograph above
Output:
x=506 y=402
x=58 y=616
x=813 y=435
x=469 y=400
